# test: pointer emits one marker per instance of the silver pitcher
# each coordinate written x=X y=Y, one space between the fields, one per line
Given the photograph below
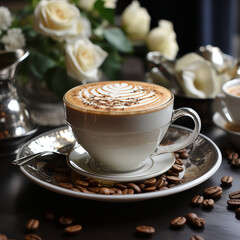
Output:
x=15 y=120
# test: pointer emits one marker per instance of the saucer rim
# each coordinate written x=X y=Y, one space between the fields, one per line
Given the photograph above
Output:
x=123 y=198
x=216 y=116
x=125 y=178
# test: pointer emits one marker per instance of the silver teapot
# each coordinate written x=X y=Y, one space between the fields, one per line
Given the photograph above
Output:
x=15 y=119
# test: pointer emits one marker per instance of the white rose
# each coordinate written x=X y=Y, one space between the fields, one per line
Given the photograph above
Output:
x=197 y=76
x=136 y=21
x=83 y=59
x=87 y=5
x=5 y=18
x=163 y=39
x=57 y=19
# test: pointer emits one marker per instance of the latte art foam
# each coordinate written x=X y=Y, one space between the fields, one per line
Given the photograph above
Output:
x=118 y=96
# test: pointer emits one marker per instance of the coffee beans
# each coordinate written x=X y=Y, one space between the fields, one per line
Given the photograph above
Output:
x=32 y=236
x=75 y=182
x=145 y=230
x=66 y=220
x=32 y=224
x=235 y=195
x=178 y=222
x=227 y=180
x=73 y=229
x=195 y=221
x=237 y=213
x=213 y=192
x=197 y=200
x=208 y=203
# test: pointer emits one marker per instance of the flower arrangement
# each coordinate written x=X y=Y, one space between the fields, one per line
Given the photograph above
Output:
x=76 y=40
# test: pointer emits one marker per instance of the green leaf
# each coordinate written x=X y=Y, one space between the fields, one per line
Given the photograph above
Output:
x=117 y=39
x=58 y=81
x=112 y=65
x=40 y=63
x=106 y=13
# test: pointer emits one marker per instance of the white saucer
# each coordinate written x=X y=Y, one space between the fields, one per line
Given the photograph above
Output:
x=221 y=123
x=81 y=162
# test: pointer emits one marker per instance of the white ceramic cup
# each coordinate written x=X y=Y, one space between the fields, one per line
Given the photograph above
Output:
x=227 y=103
x=123 y=142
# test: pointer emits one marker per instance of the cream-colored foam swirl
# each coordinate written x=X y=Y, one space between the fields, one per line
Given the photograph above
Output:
x=120 y=96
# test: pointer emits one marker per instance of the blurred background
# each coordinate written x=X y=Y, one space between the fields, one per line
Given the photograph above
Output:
x=198 y=22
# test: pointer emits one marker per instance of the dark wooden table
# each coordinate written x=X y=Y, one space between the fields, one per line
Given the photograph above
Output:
x=22 y=200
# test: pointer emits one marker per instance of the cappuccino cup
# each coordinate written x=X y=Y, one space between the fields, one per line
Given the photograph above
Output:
x=122 y=123
x=227 y=103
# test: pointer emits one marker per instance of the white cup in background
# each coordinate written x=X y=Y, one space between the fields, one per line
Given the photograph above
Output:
x=227 y=103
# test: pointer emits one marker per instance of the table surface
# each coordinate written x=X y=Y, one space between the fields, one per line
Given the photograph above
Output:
x=22 y=200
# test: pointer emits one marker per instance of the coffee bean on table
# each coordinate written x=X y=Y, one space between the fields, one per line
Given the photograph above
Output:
x=3 y=237
x=237 y=212
x=227 y=180
x=190 y=216
x=178 y=222
x=197 y=200
x=233 y=202
x=198 y=222
x=32 y=236
x=213 y=192
x=73 y=229
x=235 y=195
x=145 y=230
x=32 y=224
x=196 y=237
x=208 y=203
x=235 y=162
x=66 y=220
x=49 y=215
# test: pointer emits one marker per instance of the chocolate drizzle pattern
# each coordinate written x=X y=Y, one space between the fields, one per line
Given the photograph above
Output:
x=119 y=96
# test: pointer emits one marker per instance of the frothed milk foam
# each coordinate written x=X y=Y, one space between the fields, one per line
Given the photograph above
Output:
x=119 y=123
x=118 y=97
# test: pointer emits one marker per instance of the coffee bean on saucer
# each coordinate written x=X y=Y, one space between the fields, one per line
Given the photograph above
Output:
x=145 y=230
x=104 y=190
x=196 y=237
x=135 y=187
x=233 y=202
x=73 y=229
x=32 y=236
x=237 y=212
x=213 y=192
x=177 y=168
x=150 y=182
x=208 y=203
x=32 y=224
x=197 y=200
x=235 y=195
x=3 y=237
x=173 y=179
x=227 y=180
x=178 y=222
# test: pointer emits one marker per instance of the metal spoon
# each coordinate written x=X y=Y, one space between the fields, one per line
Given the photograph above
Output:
x=62 y=151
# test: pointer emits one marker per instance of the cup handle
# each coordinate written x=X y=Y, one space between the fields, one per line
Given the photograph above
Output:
x=182 y=143
x=219 y=106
